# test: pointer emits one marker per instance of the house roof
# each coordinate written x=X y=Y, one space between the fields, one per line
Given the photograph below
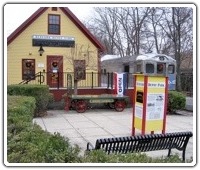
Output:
x=68 y=13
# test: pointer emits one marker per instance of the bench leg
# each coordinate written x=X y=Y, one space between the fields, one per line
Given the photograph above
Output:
x=169 y=152
x=88 y=146
x=183 y=156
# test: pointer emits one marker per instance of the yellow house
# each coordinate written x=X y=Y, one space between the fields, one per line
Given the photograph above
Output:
x=52 y=42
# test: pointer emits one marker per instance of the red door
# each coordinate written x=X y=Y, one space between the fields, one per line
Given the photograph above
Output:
x=55 y=71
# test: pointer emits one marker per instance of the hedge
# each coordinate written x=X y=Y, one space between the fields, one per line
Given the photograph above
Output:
x=19 y=113
x=28 y=143
x=39 y=92
x=176 y=101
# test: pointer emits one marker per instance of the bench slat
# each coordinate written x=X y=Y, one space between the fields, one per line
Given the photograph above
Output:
x=144 y=143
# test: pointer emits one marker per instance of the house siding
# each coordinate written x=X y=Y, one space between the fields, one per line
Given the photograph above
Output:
x=21 y=47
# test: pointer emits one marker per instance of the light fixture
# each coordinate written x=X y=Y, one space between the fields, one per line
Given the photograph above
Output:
x=41 y=50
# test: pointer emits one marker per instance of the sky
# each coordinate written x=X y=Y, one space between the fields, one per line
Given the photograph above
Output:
x=24 y=11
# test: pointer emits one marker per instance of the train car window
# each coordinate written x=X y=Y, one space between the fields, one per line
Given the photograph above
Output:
x=149 y=68
x=138 y=68
x=160 y=68
x=171 y=69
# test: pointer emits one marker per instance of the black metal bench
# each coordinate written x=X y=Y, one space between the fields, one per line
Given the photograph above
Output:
x=143 y=143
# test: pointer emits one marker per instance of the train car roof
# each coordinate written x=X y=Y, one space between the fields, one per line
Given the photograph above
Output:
x=155 y=57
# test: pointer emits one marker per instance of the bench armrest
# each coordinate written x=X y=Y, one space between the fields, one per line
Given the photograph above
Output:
x=89 y=145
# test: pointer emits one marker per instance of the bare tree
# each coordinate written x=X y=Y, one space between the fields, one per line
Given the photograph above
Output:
x=175 y=24
x=154 y=34
x=82 y=58
x=132 y=30
x=104 y=26
x=120 y=28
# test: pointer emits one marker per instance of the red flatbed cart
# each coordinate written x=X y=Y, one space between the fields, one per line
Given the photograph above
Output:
x=82 y=102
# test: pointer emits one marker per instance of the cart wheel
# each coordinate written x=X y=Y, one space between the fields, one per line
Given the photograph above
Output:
x=119 y=106
x=81 y=106
x=111 y=105
x=73 y=104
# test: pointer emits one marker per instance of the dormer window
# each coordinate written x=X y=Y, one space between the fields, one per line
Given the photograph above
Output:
x=54 y=24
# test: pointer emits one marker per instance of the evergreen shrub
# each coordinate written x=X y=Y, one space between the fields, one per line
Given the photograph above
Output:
x=176 y=101
x=28 y=143
x=39 y=92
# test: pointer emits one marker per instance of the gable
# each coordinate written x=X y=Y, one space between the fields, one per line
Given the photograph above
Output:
x=68 y=15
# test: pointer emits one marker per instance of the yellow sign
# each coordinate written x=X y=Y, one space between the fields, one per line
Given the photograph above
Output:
x=149 y=111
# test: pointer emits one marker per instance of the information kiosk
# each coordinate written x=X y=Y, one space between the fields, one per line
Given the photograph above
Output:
x=151 y=92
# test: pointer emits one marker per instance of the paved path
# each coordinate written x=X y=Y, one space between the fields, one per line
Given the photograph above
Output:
x=81 y=128
x=189 y=103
